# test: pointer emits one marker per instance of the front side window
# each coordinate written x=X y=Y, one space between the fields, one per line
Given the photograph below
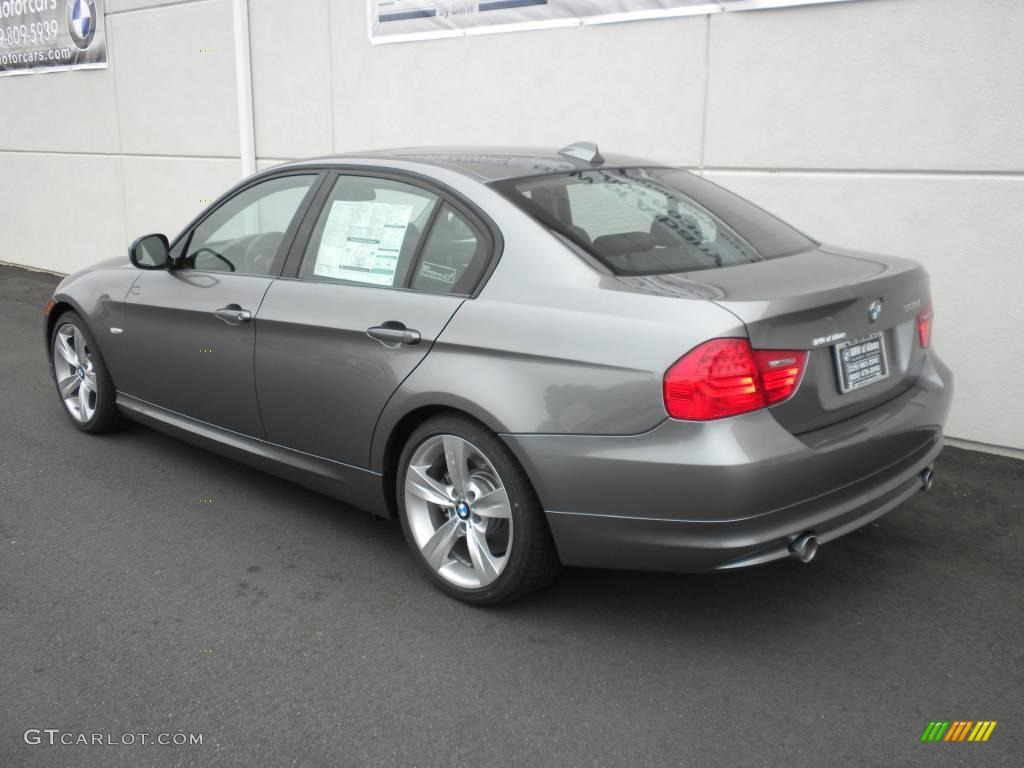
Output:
x=642 y=221
x=368 y=232
x=246 y=233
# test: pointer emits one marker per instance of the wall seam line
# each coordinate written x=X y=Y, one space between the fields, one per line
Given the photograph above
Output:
x=157 y=155
x=737 y=169
x=168 y=4
x=707 y=93
x=330 y=63
x=243 y=86
x=780 y=171
x=120 y=139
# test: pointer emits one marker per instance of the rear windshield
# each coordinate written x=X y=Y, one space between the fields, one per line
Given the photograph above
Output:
x=645 y=221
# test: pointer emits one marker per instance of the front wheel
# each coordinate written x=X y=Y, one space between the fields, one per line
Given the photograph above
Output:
x=470 y=515
x=83 y=382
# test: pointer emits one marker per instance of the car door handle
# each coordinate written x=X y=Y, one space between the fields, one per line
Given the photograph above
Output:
x=394 y=334
x=233 y=314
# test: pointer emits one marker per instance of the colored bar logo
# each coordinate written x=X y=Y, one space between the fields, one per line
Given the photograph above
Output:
x=958 y=730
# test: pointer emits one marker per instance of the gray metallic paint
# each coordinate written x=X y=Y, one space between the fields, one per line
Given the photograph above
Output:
x=728 y=469
x=563 y=359
x=643 y=544
x=98 y=295
x=315 y=366
x=199 y=364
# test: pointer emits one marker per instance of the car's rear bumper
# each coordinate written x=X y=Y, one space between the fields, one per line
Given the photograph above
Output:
x=692 y=496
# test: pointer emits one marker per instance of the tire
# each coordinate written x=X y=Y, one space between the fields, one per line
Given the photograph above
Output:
x=476 y=545
x=76 y=361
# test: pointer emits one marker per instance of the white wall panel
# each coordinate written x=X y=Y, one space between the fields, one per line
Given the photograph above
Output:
x=291 y=77
x=967 y=231
x=263 y=163
x=176 y=99
x=117 y=6
x=163 y=194
x=879 y=84
x=60 y=212
x=59 y=111
x=635 y=87
x=850 y=90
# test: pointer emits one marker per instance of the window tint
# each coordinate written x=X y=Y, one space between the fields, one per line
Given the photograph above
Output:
x=368 y=232
x=453 y=257
x=245 y=233
x=651 y=220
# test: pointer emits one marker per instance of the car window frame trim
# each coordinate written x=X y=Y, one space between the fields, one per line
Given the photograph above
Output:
x=417 y=260
x=417 y=254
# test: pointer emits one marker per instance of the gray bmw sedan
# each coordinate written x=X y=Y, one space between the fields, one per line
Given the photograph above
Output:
x=530 y=358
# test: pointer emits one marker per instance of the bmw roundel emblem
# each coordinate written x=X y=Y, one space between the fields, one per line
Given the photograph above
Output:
x=875 y=310
x=82 y=22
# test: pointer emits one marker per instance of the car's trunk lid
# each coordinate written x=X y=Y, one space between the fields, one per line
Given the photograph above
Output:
x=814 y=301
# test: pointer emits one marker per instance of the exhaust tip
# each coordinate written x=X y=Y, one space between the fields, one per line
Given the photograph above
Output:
x=927 y=478
x=804 y=547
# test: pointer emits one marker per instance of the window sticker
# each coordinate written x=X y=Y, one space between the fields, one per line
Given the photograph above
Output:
x=362 y=241
x=439 y=272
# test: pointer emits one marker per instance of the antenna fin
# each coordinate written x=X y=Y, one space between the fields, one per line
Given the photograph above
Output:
x=586 y=151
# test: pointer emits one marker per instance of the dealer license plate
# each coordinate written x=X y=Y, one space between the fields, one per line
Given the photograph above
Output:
x=861 y=362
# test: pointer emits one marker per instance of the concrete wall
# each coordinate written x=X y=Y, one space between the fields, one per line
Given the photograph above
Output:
x=90 y=159
x=888 y=125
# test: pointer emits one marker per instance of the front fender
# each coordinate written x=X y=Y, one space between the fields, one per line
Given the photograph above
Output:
x=98 y=296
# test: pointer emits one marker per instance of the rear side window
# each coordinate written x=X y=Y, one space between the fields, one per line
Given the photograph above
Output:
x=385 y=232
x=453 y=256
x=641 y=221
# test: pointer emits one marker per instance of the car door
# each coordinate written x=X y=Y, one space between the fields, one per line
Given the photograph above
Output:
x=188 y=330
x=381 y=271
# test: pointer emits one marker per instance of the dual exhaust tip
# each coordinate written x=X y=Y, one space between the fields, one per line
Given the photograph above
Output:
x=805 y=546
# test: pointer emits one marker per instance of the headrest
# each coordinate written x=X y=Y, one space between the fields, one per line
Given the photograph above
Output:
x=623 y=243
x=669 y=230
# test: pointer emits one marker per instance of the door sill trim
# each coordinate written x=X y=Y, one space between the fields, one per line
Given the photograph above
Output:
x=354 y=485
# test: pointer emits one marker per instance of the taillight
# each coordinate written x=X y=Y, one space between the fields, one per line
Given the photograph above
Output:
x=924 y=325
x=780 y=373
x=725 y=377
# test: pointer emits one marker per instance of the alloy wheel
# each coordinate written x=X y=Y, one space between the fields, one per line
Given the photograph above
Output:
x=75 y=372
x=458 y=511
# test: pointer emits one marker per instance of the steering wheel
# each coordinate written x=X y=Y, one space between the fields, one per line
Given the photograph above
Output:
x=218 y=256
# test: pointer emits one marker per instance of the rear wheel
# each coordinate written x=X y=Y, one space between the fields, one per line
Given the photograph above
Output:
x=83 y=382
x=470 y=515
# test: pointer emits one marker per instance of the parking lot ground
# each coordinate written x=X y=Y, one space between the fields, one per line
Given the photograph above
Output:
x=147 y=586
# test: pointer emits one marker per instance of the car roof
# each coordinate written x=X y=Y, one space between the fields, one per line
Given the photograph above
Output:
x=485 y=164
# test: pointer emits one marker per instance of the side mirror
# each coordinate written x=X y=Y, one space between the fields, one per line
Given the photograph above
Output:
x=151 y=252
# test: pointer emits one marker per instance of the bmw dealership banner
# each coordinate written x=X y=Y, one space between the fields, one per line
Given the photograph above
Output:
x=393 y=21
x=51 y=35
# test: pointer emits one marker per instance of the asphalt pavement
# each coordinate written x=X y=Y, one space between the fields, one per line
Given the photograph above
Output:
x=149 y=587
